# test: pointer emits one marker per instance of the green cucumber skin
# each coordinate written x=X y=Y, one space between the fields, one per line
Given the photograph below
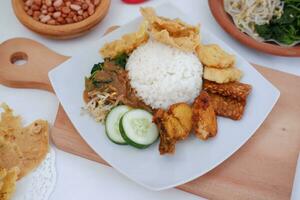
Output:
x=129 y=141
x=106 y=132
x=118 y=143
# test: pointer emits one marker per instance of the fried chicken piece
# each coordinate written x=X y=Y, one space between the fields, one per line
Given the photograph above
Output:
x=204 y=117
x=214 y=56
x=222 y=75
x=173 y=125
x=167 y=141
x=236 y=90
x=228 y=107
x=183 y=113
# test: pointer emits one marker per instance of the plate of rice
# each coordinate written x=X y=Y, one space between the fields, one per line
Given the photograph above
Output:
x=178 y=98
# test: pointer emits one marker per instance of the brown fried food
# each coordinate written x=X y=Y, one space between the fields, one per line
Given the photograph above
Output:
x=173 y=125
x=167 y=141
x=28 y=145
x=204 y=117
x=34 y=144
x=222 y=75
x=10 y=154
x=126 y=44
x=173 y=32
x=183 y=113
x=3 y=173
x=9 y=183
x=213 y=56
x=236 y=90
x=228 y=107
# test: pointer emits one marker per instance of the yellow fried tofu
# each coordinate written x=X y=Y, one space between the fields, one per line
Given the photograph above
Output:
x=9 y=183
x=222 y=75
x=213 y=56
x=204 y=117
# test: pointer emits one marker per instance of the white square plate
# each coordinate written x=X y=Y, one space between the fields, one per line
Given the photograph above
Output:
x=193 y=157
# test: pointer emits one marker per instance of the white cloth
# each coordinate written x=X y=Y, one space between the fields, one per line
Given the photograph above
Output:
x=82 y=179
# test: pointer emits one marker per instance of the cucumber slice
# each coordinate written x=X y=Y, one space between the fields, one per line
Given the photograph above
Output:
x=112 y=124
x=137 y=128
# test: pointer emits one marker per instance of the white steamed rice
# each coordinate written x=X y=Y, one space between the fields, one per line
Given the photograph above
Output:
x=163 y=75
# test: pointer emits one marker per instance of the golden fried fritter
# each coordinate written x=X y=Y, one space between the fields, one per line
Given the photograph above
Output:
x=9 y=183
x=173 y=125
x=228 y=107
x=183 y=113
x=236 y=90
x=213 y=56
x=25 y=147
x=126 y=44
x=204 y=117
x=173 y=32
x=222 y=75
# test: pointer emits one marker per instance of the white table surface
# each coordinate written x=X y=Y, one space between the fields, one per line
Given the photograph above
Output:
x=82 y=179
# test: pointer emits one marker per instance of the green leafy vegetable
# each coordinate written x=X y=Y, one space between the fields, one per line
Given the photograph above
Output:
x=97 y=67
x=285 y=29
x=121 y=60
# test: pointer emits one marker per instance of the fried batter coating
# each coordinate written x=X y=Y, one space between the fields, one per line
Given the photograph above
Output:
x=204 y=117
x=172 y=32
x=9 y=183
x=25 y=147
x=183 y=113
x=167 y=141
x=228 y=107
x=236 y=90
x=173 y=125
x=213 y=56
x=126 y=44
x=222 y=75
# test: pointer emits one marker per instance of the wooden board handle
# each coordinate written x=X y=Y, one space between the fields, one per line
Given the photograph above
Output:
x=34 y=73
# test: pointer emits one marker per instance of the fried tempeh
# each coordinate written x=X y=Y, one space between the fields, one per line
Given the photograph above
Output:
x=228 y=107
x=236 y=90
x=204 y=117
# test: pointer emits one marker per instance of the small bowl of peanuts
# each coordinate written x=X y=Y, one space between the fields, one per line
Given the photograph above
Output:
x=60 y=19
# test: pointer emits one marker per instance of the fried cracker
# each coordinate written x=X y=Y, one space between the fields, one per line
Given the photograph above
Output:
x=126 y=44
x=204 y=117
x=213 y=56
x=231 y=74
x=228 y=107
x=236 y=90
x=9 y=183
x=10 y=154
x=173 y=32
x=3 y=173
x=25 y=147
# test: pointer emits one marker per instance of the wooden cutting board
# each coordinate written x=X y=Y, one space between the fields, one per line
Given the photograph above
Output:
x=262 y=169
